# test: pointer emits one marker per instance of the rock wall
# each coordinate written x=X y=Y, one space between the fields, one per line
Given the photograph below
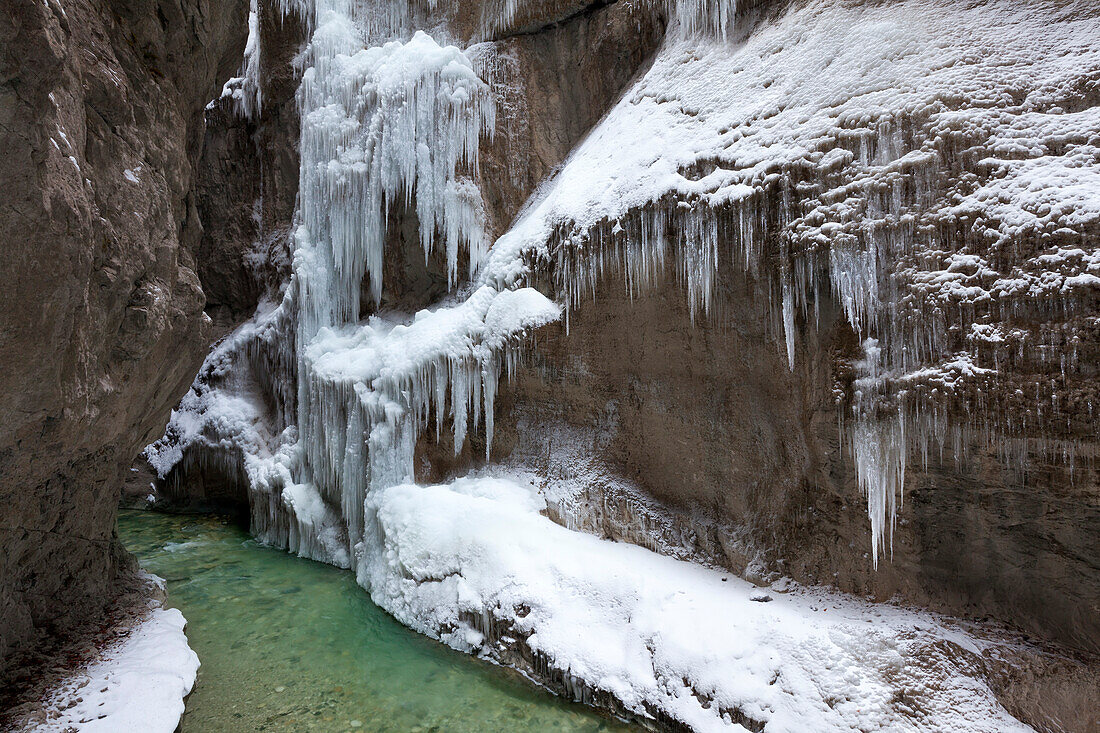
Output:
x=101 y=123
x=247 y=180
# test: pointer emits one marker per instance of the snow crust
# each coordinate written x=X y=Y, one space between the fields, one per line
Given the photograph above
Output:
x=748 y=110
x=137 y=684
x=662 y=636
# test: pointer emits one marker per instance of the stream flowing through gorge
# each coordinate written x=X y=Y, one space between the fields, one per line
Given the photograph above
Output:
x=709 y=366
x=292 y=644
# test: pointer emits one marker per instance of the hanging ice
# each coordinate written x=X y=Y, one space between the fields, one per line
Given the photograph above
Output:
x=244 y=89
x=827 y=166
x=396 y=123
x=393 y=124
x=706 y=17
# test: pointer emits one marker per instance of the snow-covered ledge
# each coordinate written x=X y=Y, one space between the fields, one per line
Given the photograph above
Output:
x=138 y=683
x=476 y=564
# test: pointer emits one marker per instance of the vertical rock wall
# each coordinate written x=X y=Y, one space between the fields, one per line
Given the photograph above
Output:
x=101 y=122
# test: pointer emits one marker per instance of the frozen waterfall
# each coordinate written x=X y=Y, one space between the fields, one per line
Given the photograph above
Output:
x=393 y=124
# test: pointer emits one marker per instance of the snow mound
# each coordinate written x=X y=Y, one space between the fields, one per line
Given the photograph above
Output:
x=138 y=684
x=476 y=565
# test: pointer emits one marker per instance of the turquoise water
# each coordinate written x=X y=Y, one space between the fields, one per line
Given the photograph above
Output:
x=292 y=645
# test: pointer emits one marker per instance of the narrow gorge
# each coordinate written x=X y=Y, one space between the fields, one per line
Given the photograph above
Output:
x=713 y=365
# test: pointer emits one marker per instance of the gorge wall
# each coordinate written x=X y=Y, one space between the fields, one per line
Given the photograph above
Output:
x=101 y=122
x=732 y=278
x=725 y=436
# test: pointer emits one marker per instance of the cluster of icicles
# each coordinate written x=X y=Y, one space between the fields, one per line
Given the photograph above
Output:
x=691 y=239
x=386 y=18
x=388 y=125
x=713 y=18
x=380 y=126
x=906 y=367
x=400 y=123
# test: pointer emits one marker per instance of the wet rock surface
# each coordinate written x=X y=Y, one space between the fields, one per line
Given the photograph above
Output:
x=248 y=180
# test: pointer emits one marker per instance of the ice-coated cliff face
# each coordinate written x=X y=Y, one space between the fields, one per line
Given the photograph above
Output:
x=932 y=176
x=935 y=172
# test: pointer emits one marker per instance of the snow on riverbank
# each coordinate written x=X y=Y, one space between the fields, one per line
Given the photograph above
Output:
x=662 y=636
x=138 y=683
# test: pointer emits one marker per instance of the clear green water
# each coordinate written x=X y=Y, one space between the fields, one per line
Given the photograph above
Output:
x=292 y=645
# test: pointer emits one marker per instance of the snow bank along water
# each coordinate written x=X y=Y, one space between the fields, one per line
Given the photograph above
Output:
x=138 y=682
x=926 y=169
x=468 y=563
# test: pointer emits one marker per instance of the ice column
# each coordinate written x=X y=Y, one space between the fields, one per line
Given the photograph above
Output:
x=878 y=447
x=393 y=124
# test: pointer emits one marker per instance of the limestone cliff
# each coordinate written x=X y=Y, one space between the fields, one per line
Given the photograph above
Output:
x=101 y=123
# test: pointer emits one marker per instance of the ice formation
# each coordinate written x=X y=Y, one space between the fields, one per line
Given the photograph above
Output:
x=854 y=152
x=902 y=142
x=245 y=90
x=868 y=153
x=381 y=125
x=305 y=404
x=713 y=18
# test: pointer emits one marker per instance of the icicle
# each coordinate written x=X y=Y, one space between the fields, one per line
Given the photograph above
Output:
x=381 y=125
x=709 y=17
x=244 y=90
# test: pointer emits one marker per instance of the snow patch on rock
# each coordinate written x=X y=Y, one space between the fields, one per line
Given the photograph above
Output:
x=137 y=684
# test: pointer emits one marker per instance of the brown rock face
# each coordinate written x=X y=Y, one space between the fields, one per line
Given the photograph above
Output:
x=247 y=181
x=697 y=440
x=101 y=120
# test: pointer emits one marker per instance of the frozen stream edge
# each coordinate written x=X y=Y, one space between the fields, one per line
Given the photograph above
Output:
x=475 y=564
x=138 y=682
